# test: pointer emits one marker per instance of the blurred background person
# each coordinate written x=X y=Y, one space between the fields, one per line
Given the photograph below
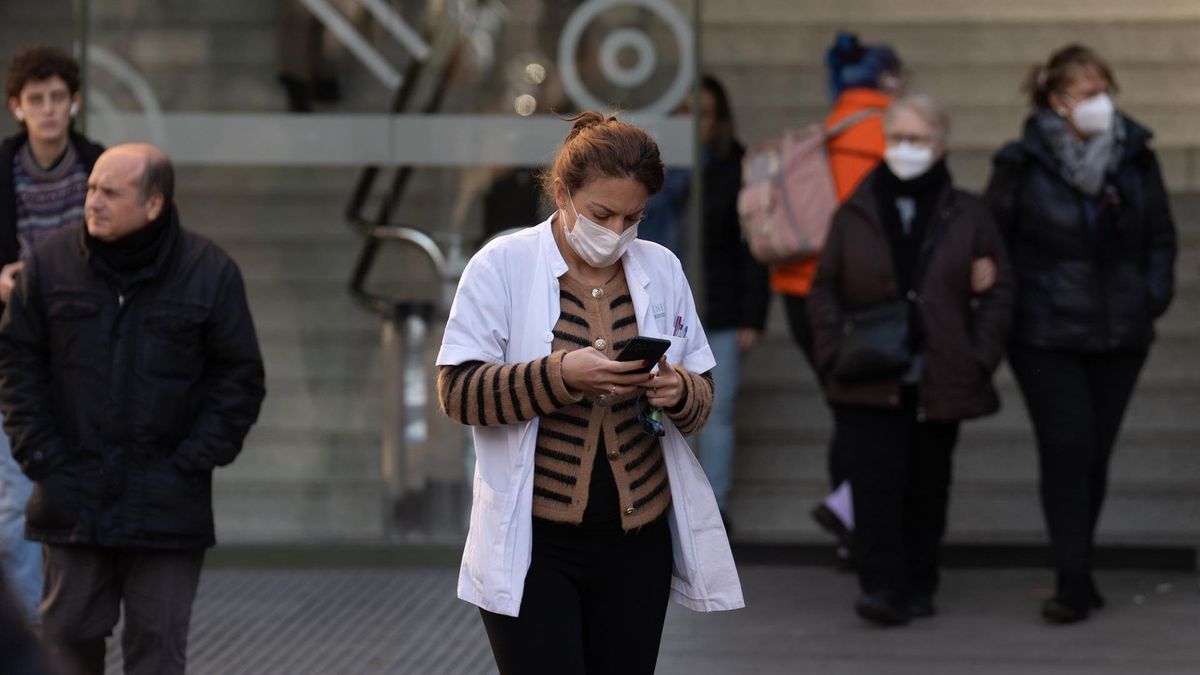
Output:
x=43 y=183
x=19 y=651
x=735 y=284
x=863 y=81
x=1081 y=200
x=904 y=245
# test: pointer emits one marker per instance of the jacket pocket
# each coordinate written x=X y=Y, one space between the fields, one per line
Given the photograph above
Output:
x=174 y=340
x=175 y=503
x=62 y=496
x=70 y=320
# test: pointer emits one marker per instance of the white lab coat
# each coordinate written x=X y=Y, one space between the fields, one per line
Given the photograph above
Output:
x=504 y=311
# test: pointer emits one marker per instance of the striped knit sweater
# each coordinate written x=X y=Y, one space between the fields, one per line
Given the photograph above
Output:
x=571 y=424
x=47 y=199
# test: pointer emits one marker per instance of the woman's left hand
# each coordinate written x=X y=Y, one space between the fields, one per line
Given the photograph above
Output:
x=666 y=388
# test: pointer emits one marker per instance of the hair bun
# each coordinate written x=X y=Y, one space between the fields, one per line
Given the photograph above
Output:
x=586 y=120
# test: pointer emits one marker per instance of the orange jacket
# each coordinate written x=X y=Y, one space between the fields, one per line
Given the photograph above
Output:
x=852 y=155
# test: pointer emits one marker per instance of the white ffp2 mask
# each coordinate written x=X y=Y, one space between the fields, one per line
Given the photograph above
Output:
x=908 y=161
x=596 y=244
x=1093 y=115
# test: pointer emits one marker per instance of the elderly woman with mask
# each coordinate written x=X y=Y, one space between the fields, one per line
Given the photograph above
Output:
x=910 y=311
x=1081 y=201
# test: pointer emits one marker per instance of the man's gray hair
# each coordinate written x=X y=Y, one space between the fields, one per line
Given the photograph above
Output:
x=925 y=106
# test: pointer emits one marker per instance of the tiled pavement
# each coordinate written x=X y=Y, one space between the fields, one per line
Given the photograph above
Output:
x=406 y=620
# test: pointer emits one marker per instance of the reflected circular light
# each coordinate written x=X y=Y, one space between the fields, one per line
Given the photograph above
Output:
x=525 y=105
x=535 y=73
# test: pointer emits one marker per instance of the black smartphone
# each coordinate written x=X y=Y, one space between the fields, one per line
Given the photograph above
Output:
x=643 y=348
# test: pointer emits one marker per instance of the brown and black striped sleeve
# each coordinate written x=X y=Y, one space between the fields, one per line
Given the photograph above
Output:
x=483 y=394
x=695 y=404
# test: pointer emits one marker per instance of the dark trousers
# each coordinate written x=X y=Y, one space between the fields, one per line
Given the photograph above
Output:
x=796 y=307
x=86 y=587
x=900 y=469
x=1076 y=402
x=594 y=603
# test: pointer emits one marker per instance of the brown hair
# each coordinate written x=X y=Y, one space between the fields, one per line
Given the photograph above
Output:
x=600 y=146
x=1060 y=70
x=41 y=63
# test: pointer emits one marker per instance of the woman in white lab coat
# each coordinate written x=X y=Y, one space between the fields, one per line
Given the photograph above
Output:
x=589 y=509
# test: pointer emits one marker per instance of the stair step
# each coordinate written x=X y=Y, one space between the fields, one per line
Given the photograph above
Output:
x=938 y=12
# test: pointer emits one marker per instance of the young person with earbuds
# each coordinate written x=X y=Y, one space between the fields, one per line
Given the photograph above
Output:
x=585 y=519
x=44 y=170
x=1081 y=201
x=907 y=245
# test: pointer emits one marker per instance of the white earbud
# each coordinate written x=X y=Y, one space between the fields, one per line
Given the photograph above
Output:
x=19 y=114
x=74 y=109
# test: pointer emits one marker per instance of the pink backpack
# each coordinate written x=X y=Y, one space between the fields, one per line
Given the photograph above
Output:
x=788 y=198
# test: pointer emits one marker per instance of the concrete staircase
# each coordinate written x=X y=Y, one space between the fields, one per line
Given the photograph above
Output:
x=974 y=56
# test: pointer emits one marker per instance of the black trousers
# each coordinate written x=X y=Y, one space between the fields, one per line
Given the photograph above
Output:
x=594 y=603
x=796 y=307
x=1076 y=402
x=85 y=589
x=900 y=469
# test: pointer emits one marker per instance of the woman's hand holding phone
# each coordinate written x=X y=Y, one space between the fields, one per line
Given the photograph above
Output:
x=591 y=372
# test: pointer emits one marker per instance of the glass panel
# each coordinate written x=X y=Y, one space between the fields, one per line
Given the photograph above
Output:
x=283 y=117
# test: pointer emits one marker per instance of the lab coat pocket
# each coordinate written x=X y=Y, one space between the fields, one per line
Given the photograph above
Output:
x=484 y=550
x=675 y=352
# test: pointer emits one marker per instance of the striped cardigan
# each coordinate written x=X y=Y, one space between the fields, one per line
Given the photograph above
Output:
x=571 y=424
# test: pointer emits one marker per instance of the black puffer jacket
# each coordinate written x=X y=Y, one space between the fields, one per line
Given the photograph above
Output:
x=736 y=291
x=1085 y=283
x=120 y=403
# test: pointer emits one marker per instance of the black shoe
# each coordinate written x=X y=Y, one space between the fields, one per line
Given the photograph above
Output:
x=829 y=521
x=881 y=611
x=1058 y=610
x=1095 y=600
x=921 y=608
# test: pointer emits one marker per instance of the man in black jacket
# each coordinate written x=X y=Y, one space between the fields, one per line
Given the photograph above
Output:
x=43 y=182
x=129 y=369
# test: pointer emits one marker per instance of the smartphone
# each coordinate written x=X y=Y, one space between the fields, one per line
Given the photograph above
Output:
x=643 y=348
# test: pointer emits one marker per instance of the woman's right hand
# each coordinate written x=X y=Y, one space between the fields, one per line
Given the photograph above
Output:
x=589 y=371
x=983 y=275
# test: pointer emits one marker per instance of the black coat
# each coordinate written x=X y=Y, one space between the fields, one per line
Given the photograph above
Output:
x=963 y=333
x=1085 y=284
x=120 y=403
x=88 y=152
x=736 y=291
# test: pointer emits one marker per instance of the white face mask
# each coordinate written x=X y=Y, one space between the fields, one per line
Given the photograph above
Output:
x=908 y=161
x=1093 y=115
x=596 y=244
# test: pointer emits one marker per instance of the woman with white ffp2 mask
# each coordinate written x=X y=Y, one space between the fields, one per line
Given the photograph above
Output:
x=1082 y=199
x=582 y=471
x=911 y=248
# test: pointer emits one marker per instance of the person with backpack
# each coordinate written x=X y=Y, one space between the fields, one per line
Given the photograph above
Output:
x=906 y=348
x=863 y=80
x=1081 y=201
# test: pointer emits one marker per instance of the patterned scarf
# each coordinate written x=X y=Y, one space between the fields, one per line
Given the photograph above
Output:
x=1083 y=163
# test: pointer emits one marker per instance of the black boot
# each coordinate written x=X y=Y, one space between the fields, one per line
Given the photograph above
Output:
x=881 y=609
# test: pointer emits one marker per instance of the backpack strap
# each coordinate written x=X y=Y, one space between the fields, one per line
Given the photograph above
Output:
x=848 y=122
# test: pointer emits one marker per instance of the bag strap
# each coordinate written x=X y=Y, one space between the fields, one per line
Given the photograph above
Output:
x=847 y=122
